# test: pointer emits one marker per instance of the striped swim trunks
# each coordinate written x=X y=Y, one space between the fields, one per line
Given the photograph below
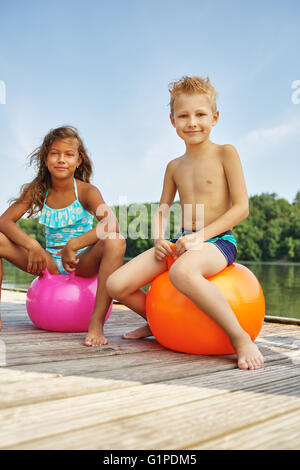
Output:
x=226 y=243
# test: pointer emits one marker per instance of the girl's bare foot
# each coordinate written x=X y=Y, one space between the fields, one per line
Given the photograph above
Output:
x=248 y=354
x=139 y=333
x=95 y=336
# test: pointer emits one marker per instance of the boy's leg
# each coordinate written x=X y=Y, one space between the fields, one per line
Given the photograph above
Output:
x=188 y=276
x=102 y=258
x=124 y=285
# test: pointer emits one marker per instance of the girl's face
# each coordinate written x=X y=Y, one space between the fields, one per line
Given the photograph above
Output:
x=63 y=158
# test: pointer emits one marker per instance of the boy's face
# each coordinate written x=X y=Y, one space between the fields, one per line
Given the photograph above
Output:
x=193 y=117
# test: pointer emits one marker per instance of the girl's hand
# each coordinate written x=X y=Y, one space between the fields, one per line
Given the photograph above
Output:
x=68 y=258
x=163 y=249
x=37 y=261
x=188 y=242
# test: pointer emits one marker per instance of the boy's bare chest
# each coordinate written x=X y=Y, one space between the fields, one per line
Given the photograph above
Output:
x=200 y=178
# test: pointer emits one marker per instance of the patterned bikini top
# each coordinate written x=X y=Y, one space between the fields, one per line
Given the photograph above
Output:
x=61 y=225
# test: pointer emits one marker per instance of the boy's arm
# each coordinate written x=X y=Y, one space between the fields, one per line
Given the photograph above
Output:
x=238 y=193
x=160 y=219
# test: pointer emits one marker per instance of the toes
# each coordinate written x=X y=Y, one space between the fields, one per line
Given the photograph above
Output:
x=242 y=364
x=259 y=362
x=95 y=342
x=252 y=363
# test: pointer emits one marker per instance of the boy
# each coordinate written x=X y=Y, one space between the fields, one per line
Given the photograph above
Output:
x=208 y=176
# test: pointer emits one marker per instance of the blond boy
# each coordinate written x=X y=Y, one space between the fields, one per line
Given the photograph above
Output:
x=208 y=176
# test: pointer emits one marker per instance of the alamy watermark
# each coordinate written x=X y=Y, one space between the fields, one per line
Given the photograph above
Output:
x=296 y=94
x=150 y=221
x=2 y=92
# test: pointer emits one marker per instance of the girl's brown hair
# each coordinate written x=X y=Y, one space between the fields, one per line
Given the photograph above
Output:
x=36 y=190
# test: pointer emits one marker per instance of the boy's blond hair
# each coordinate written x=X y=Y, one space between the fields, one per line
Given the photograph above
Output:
x=192 y=85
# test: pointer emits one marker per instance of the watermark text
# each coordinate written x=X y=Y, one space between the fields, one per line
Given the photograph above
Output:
x=296 y=94
x=2 y=92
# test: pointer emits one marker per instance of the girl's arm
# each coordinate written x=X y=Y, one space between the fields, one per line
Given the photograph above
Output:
x=8 y=226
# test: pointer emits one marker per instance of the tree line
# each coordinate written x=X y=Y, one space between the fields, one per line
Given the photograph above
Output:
x=270 y=232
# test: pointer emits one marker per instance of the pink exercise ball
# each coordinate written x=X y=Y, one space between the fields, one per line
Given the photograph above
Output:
x=62 y=302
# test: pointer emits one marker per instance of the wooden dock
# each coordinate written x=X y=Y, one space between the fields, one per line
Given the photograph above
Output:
x=55 y=393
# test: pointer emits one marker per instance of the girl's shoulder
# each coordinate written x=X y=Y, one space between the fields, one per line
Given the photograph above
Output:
x=85 y=189
x=88 y=194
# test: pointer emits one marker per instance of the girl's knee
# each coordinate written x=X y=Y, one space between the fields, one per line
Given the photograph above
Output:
x=4 y=241
x=115 y=245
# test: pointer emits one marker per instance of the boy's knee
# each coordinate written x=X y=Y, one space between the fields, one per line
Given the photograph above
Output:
x=113 y=287
x=180 y=276
x=177 y=274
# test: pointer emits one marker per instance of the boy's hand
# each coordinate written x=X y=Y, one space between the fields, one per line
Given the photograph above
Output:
x=188 y=242
x=68 y=258
x=37 y=261
x=163 y=249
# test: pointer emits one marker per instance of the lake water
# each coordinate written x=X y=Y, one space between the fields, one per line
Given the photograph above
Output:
x=280 y=283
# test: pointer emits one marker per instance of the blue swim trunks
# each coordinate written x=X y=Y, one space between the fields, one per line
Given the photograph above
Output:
x=226 y=243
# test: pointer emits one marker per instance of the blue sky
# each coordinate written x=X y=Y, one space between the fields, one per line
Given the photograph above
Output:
x=104 y=67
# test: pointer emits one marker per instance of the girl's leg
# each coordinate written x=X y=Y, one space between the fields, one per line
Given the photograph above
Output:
x=124 y=285
x=188 y=276
x=103 y=258
x=18 y=256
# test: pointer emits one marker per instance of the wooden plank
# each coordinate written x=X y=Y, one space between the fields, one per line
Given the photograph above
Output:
x=43 y=388
x=62 y=411
x=100 y=362
x=148 y=417
x=282 y=320
x=19 y=390
x=90 y=365
x=50 y=354
x=281 y=433
x=9 y=376
x=238 y=379
x=42 y=354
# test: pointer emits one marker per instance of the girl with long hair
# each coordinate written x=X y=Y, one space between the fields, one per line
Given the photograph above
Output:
x=67 y=202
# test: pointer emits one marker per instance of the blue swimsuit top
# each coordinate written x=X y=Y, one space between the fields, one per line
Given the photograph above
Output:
x=61 y=225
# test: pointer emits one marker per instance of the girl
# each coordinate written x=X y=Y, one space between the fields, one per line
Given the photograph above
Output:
x=67 y=201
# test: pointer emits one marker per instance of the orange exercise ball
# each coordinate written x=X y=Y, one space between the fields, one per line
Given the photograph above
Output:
x=178 y=324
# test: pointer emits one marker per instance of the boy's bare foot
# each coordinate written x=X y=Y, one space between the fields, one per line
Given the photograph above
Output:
x=95 y=336
x=248 y=354
x=139 y=333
